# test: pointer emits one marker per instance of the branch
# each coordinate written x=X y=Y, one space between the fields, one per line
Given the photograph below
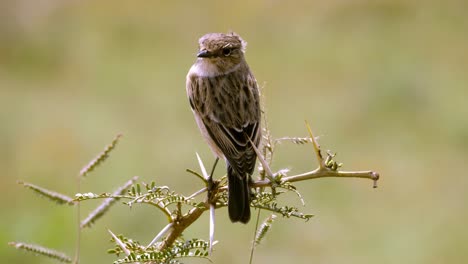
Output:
x=323 y=173
x=328 y=167
x=181 y=224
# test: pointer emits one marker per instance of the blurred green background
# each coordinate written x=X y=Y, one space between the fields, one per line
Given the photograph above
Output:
x=383 y=83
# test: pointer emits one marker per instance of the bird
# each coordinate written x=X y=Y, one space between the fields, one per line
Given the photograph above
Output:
x=225 y=99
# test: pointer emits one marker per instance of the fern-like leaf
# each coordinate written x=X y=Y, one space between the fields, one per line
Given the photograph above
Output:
x=295 y=140
x=39 y=250
x=266 y=200
x=194 y=248
x=264 y=228
x=99 y=159
x=105 y=206
x=286 y=211
x=53 y=196
x=161 y=196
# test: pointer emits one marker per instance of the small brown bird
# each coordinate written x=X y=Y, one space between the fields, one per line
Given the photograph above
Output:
x=224 y=97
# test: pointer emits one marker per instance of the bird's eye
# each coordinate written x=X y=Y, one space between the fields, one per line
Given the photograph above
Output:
x=227 y=51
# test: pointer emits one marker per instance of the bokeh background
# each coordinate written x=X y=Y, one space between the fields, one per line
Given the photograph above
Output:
x=383 y=83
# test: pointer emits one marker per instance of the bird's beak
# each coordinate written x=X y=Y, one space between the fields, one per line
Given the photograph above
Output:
x=204 y=54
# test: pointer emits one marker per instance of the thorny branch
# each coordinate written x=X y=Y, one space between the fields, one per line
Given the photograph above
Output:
x=181 y=224
x=327 y=168
x=178 y=222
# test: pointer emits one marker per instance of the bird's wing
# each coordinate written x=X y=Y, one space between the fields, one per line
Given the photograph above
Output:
x=230 y=110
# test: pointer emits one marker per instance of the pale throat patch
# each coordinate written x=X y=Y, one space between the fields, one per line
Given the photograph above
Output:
x=204 y=68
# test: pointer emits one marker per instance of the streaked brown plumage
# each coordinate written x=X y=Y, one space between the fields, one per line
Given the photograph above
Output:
x=224 y=97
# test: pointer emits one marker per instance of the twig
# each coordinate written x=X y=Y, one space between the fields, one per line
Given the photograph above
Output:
x=76 y=259
x=196 y=174
x=252 y=249
x=323 y=173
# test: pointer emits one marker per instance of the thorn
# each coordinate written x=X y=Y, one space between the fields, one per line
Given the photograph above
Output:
x=202 y=167
x=212 y=227
x=317 y=150
x=161 y=233
x=119 y=242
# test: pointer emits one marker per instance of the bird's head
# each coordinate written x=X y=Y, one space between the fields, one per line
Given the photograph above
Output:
x=224 y=51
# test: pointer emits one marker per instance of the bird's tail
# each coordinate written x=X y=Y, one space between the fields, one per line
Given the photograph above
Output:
x=239 y=196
